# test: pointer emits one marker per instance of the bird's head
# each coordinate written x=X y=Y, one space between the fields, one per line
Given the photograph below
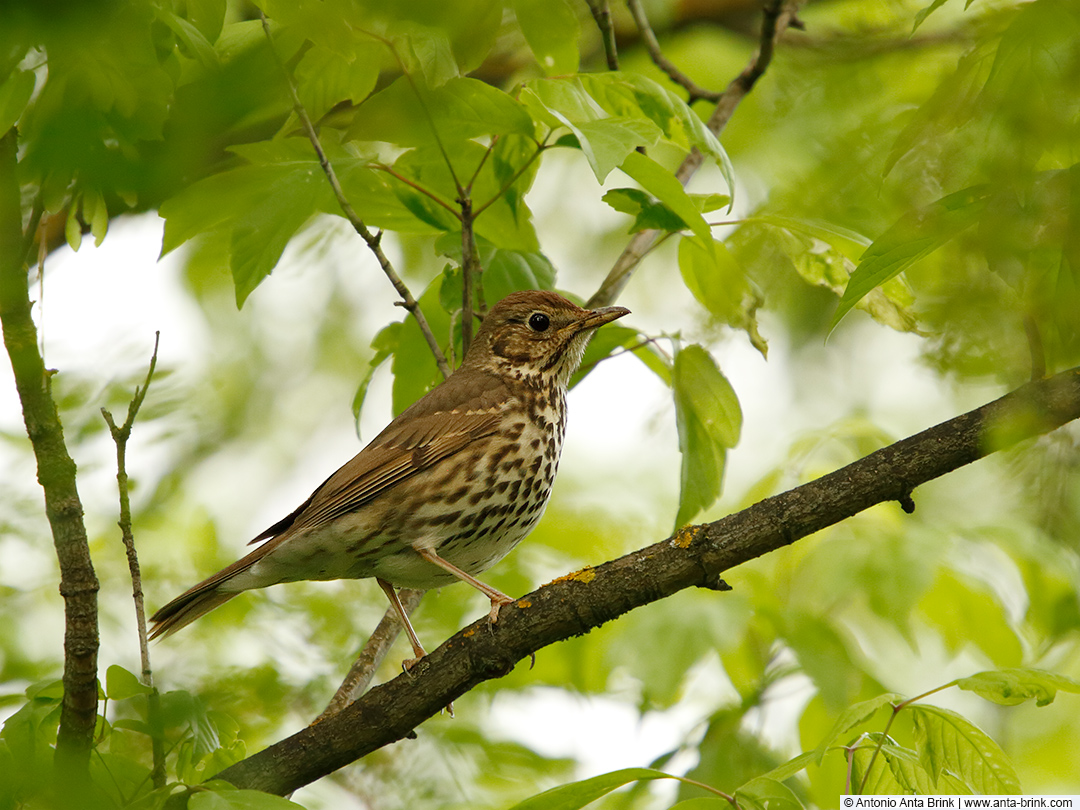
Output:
x=537 y=335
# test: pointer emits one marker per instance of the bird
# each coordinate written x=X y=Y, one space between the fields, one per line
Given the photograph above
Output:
x=448 y=488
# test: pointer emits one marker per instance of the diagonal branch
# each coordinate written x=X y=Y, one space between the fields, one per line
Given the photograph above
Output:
x=695 y=90
x=778 y=16
x=373 y=240
x=695 y=557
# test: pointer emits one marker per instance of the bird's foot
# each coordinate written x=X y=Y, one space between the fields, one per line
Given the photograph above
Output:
x=497 y=601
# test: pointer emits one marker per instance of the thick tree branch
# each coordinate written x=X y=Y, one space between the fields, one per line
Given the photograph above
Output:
x=778 y=15
x=56 y=474
x=695 y=557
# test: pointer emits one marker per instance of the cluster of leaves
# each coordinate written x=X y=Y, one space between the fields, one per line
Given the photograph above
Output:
x=950 y=755
x=202 y=740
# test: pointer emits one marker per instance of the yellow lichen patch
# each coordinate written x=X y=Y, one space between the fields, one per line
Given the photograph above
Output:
x=685 y=536
x=586 y=574
x=524 y=603
x=468 y=633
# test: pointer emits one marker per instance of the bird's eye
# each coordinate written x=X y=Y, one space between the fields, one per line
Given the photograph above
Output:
x=539 y=322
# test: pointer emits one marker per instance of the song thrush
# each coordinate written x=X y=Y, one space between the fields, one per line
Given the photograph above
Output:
x=448 y=488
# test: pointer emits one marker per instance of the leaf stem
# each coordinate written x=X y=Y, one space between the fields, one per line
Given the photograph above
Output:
x=417 y=187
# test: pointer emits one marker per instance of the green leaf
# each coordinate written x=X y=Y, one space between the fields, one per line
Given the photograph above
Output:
x=622 y=93
x=260 y=206
x=193 y=40
x=922 y=14
x=96 y=214
x=660 y=182
x=853 y=716
x=950 y=742
x=506 y=223
x=384 y=344
x=883 y=777
x=223 y=798
x=414 y=367
x=648 y=214
x=507 y=271
x=325 y=78
x=915 y=235
x=15 y=93
x=793 y=766
x=504 y=271
x=709 y=421
x=578 y=794
x=73 y=228
x=613 y=337
x=605 y=139
x=851 y=243
x=551 y=28
x=427 y=52
x=208 y=16
x=408 y=113
x=1012 y=686
x=717 y=281
x=767 y=794
x=121 y=684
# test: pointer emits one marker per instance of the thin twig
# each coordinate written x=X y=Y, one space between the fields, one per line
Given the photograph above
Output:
x=778 y=15
x=435 y=198
x=470 y=273
x=602 y=14
x=480 y=164
x=540 y=147
x=120 y=437
x=371 y=655
x=372 y=239
x=695 y=90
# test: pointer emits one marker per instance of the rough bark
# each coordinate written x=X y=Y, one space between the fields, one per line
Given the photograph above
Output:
x=56 y=474
x=694 y=557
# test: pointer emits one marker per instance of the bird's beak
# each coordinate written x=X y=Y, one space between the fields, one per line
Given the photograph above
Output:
x=598 y=317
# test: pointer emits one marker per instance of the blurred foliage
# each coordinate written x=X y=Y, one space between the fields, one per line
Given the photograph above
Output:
x=909 y=161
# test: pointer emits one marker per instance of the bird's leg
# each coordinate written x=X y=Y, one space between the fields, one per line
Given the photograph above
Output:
x=498 y=599
x=417 y=647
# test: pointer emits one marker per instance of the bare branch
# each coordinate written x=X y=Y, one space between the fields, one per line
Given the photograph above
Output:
x=696 y=556
x=602 y=14
x=371 y=655
x=778 y=15
x=372 y=239
x=120 y=436
x=695 y=90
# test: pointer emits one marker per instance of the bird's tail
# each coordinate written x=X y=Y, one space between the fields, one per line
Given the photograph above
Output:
x=188 y=607
x=202 y=598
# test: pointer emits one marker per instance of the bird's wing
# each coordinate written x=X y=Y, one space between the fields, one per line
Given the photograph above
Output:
x=450 y=418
